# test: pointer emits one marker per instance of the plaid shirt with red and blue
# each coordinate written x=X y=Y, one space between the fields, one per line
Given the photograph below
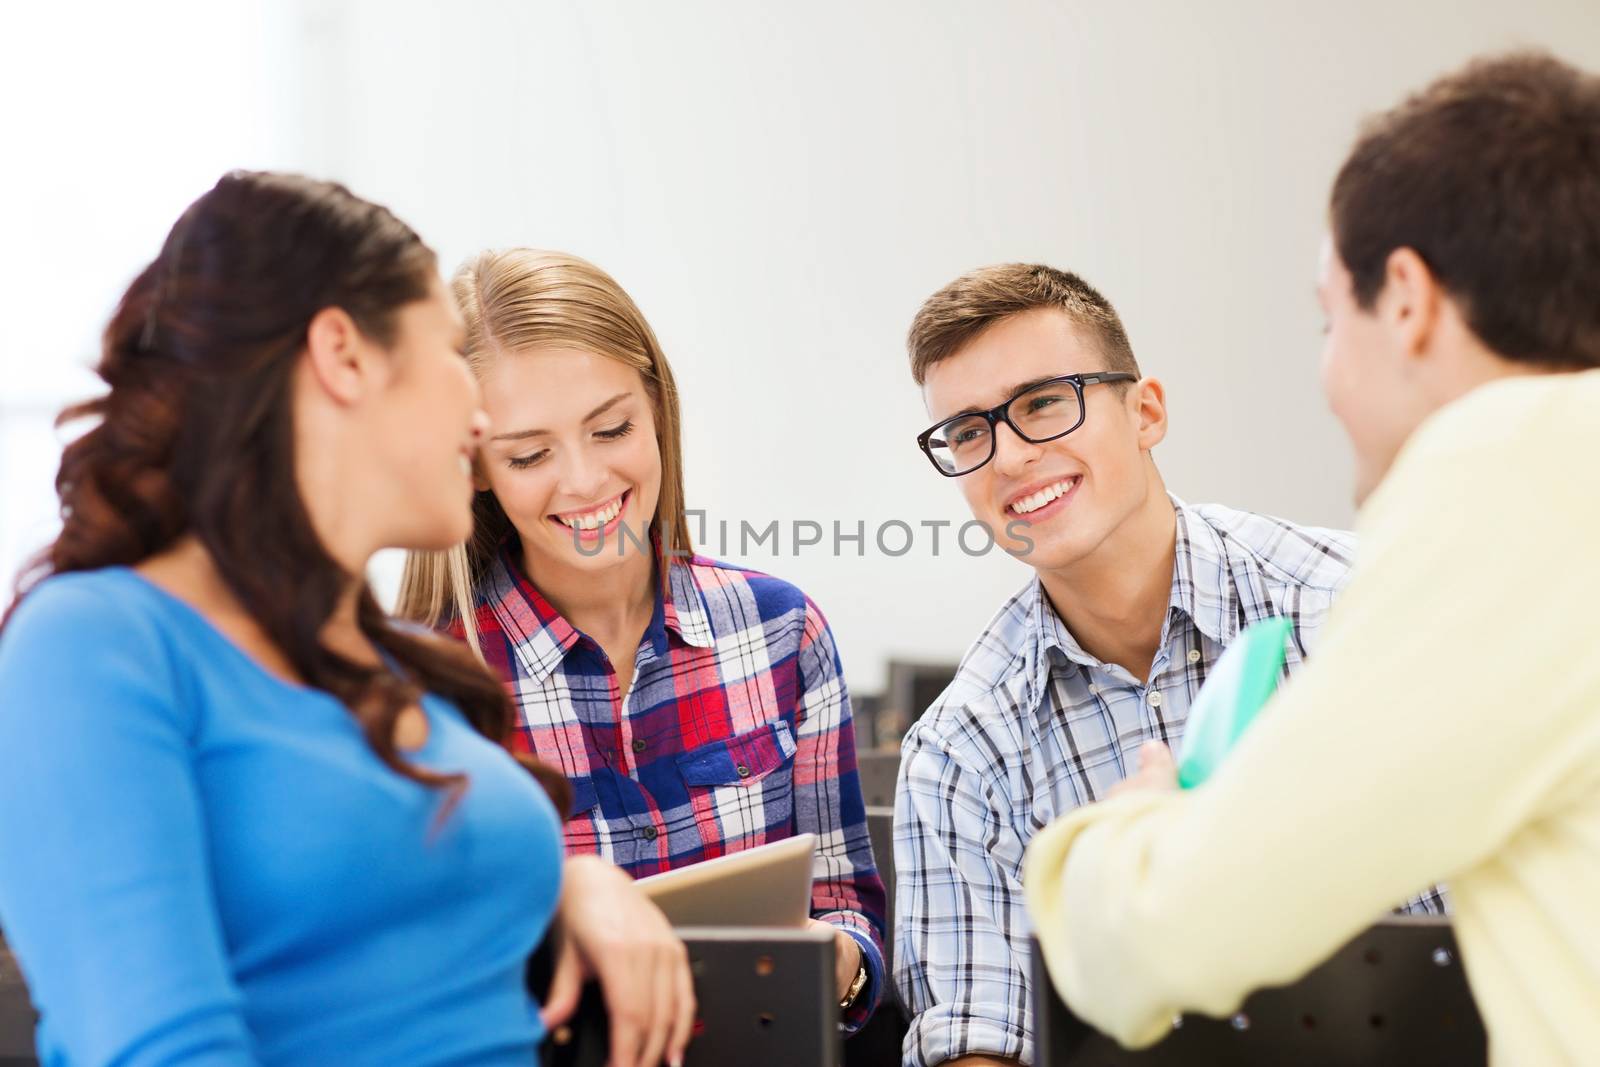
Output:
x=736 y=732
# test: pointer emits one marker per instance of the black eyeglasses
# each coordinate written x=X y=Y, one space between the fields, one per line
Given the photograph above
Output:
x=1038 y=413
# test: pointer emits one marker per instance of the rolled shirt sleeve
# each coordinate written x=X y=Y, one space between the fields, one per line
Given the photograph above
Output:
x=846 y=891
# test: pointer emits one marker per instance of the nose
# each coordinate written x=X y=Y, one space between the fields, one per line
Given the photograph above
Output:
x=1012 y=453
x=581 y=476
x=478 y=427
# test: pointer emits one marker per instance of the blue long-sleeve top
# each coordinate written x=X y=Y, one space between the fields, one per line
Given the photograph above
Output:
x=201 y=863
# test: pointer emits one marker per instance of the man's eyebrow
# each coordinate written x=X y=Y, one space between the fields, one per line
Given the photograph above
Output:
x=522 y=435
x=1012 y=394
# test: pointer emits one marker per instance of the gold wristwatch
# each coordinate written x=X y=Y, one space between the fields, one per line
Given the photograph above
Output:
x=855 y=987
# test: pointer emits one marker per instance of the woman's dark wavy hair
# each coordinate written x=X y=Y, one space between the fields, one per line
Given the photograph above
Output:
x=195 y=437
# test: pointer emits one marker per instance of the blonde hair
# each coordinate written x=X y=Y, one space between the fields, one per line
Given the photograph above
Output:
x=515 y=301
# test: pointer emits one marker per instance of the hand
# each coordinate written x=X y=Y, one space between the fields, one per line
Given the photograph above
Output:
x=846 y=955
x=608 y=929
x=1157 y=772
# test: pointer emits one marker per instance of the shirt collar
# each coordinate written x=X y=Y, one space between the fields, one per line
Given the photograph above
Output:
x=1202 y=580
x=1047 y=641
x=685 y=608
x=1202 y=589
x=541 y=638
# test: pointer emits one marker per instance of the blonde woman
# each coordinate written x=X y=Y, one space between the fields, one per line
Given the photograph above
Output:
x=697 y=708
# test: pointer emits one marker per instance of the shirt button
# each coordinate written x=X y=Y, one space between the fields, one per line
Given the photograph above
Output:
x=649 y=833
x=640 y=744
x=744 y=772
x=1194 y=655
x=1154 y=698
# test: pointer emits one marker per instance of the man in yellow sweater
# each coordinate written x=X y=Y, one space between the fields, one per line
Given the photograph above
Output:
x=1459 y=676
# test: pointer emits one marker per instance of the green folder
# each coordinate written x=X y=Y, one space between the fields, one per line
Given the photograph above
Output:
x=1238 y=687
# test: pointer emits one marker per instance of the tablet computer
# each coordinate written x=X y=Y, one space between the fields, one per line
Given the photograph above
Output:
x=769 y=885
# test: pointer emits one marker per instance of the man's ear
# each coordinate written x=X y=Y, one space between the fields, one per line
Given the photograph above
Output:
x=1410 y=302
x=1149 y=400
x=341 y=358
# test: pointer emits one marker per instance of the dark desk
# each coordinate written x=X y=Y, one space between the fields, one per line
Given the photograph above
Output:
x=765 y=997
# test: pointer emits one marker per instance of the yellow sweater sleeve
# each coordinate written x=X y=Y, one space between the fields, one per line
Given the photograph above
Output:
x=1449 y=703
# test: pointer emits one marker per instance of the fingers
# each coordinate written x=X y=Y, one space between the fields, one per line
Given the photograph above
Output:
x=566 y=986
x=629 y=984
x=1157 y=771
x=642 y=965
x=1153 y=755
x=663 y=997
x=683 y=1023
x=629 y=1017
x=625 y=1039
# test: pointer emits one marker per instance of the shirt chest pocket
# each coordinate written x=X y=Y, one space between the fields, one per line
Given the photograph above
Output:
x=742 y=788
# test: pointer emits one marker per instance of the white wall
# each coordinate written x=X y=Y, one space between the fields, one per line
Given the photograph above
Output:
x=779 y=187
x=113 y=117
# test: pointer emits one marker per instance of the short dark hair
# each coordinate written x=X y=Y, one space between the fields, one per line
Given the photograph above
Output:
x=956 y=314
x=1491 y=175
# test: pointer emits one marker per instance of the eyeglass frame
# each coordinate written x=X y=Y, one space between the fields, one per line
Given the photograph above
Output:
x=999 y=414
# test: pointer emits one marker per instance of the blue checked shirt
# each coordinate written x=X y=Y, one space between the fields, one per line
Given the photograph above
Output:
x=1033 y=726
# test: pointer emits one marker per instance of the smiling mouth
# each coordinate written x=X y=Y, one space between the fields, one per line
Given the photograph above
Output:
x=595 y=518
x=1027 y=505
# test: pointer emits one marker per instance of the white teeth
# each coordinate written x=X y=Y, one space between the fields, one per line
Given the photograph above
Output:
x=594 y=519
x=466 y=466
x=1042 y=497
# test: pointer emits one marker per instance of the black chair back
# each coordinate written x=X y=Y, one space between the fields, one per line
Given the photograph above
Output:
x=1396 y=994
x=878 y=771
x=913 y=687
x=878 y=1043
x=880 y=828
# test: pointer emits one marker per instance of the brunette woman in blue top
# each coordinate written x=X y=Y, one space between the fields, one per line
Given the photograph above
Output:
x=246 y=818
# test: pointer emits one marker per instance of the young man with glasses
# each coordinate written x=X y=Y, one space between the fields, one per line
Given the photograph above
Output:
x=1045 y=424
